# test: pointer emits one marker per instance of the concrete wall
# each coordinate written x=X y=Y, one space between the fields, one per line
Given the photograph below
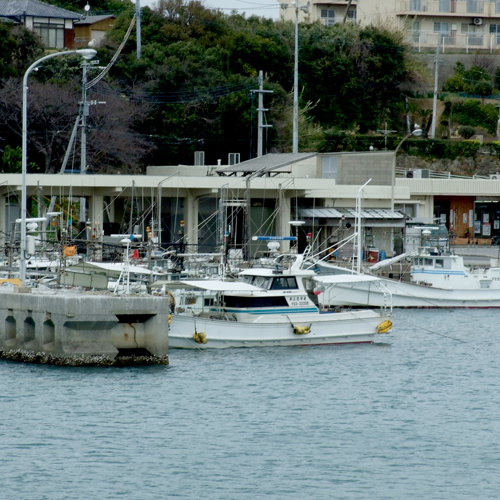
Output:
x=80 y=328
x=359 y=168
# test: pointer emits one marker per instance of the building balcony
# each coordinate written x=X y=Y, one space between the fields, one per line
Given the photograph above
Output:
x=473 y=8
x=455 y=41
x=336 y=3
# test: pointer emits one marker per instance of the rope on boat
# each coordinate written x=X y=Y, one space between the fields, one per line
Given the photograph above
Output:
x=299 y=330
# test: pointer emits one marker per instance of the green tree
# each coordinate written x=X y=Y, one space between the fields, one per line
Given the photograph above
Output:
x=12 y=160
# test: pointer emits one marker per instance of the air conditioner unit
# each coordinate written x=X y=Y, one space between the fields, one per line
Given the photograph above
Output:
x=478 y=21
x=495 y=177
x=423 y=173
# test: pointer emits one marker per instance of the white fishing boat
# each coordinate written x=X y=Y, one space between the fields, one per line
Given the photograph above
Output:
x=437 y=279
x=271 y=307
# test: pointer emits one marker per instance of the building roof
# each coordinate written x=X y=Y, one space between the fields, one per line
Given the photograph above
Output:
x=88 y=20
x=267 y=163
x=349 y=213
x=34 y=8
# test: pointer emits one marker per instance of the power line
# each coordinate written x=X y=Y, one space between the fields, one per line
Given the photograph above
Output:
x=206 y=94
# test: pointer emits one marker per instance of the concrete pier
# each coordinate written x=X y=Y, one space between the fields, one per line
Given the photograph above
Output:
x=83 y=328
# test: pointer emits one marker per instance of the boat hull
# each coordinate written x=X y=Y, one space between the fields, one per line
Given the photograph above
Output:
x=332 y=328
x=409 y=295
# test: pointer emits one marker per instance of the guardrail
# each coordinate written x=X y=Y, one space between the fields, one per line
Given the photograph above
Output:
x=454 y=40
x=434 y=174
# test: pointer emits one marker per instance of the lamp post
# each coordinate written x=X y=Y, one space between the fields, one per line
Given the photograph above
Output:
x=305 y=9
x=86 y=54
x=416 y=133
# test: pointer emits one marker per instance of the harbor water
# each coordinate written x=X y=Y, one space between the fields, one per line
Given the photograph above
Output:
x=415 y=415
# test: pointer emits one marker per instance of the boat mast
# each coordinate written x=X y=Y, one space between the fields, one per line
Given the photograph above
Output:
x=358 y=224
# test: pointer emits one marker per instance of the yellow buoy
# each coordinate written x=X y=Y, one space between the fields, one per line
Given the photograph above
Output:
x=302 y=330
x=200 y=338
x=384 y=327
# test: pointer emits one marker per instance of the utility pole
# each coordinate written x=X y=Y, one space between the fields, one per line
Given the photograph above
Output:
x=260 y=112
x=84 y=112
x=346 y=12
x=138 y=27
x=386 y=132
x=434 y=102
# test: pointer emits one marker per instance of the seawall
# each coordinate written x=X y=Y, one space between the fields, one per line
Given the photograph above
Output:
x=83 y=328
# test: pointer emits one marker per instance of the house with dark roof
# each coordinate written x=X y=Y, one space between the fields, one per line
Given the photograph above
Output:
x=93 y=29
x=54 y=25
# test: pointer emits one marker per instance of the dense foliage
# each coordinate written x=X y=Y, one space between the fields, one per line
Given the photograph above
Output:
x=192 y=87
x=470 y=112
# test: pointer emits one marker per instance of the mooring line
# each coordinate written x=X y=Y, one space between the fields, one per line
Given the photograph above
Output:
x=436 y=333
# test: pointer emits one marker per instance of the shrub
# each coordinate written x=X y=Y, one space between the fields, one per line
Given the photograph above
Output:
x=466 y=132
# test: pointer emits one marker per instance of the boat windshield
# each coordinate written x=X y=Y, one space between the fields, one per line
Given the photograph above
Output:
x=272 y=283
x=285 y=283
x=260 y=281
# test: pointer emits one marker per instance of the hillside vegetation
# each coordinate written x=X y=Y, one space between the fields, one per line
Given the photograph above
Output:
x=191 y=88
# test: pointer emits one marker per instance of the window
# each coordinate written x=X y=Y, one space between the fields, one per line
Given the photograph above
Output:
x=415 y=31
x=444 y=6
x=249 y=302
x=443 y=30
x=415 y=5
x=284 y=283
x=328 y=16
x=474 y=6
x=474 y=33
x=51 y=32
x=260 y=281
x=351 y=15
x=495 y=31
x=329 y=167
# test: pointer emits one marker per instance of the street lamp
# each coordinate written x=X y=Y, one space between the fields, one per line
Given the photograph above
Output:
x=416 y=133
x=86 y=54
x=305 y=9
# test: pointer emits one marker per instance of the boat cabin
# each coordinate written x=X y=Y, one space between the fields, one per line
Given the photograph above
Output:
x=444 y=270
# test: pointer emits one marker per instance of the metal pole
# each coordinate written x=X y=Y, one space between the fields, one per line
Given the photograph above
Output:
x=434 y=102
x=159 y=206
x=24 y=161
x=260 y=112
x=296 y=86
x=131 y=227
x=70 y=145
x=138 y=27
x=84 y=112
x=346 y=12
x=358 y=220
x=248 y=225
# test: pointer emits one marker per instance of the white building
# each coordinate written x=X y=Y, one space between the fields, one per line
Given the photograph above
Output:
x=199 y=203
x=463 y=24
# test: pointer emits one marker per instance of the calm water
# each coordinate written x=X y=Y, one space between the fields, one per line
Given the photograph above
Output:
x=415 y=417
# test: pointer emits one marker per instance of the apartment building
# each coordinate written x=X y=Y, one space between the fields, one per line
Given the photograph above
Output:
x=458 y=24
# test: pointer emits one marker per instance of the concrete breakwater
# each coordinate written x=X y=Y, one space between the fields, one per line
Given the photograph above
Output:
x=82 y=328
